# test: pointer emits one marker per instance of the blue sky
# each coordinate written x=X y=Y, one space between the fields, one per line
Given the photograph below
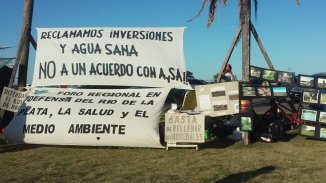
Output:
x=293 y=36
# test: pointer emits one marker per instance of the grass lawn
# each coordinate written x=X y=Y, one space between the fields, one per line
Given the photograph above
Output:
x=221 y=160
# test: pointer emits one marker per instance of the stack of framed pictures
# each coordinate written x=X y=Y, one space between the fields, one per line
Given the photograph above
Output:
x=263 y=91
x=248 y=93
x=255 y=90
x=246 y=115
x=314 y=94
x=273 y=76
x=314 y=82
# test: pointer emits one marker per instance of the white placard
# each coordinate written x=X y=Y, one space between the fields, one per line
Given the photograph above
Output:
x=12 y=99
x=150 y=57
x=218 y=99
x=90 y=117
x=204 y=102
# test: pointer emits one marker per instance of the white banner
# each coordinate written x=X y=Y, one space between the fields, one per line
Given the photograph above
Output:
x=110 y=56
x=12 y=99
x=115 y=117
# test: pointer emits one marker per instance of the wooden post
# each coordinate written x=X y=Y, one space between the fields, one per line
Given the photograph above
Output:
x=260 y=44
x=23 y=66
x=228 y=55
x=18 y=57
x=22 y=51
x=245 y=24
x=245 y=12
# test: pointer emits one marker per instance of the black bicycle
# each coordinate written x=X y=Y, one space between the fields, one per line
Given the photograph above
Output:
x=278 y=119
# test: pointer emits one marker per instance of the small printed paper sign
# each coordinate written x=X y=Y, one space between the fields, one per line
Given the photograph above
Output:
x=12 y=99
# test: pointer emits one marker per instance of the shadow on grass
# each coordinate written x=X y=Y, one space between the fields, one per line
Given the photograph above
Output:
x=246 y=176
x=6 y=148
x=217 y=143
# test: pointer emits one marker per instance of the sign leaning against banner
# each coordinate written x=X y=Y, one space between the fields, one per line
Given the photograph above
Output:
x=89 y=117
x=150 y=57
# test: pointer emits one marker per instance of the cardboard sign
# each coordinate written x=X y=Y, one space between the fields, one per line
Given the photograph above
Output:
x=182 y=127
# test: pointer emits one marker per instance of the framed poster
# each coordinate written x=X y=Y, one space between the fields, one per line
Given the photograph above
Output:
x=269 y=75
x=285 y=77
x=322 y=99
x=306 y=81
x=322 y=117
x=307 y=130
x=255 y=72
x=310 y=96
x=321 y=82
x=279 y=91
x=322 y=133
x=248 y=91
x=245 y=106
x=309 y=115
x=264 y=91
x=246 y=123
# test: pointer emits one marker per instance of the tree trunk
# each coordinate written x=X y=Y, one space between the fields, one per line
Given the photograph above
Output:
x=245 y=13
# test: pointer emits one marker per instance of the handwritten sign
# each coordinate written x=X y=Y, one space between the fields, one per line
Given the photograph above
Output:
x=182 y=127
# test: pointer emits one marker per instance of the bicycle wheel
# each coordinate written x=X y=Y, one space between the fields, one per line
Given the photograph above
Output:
x=272 y=126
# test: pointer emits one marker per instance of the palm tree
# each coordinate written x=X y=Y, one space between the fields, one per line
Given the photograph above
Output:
x=244 y=28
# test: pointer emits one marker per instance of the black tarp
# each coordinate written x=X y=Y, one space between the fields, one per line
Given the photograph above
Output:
x=5 y=73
